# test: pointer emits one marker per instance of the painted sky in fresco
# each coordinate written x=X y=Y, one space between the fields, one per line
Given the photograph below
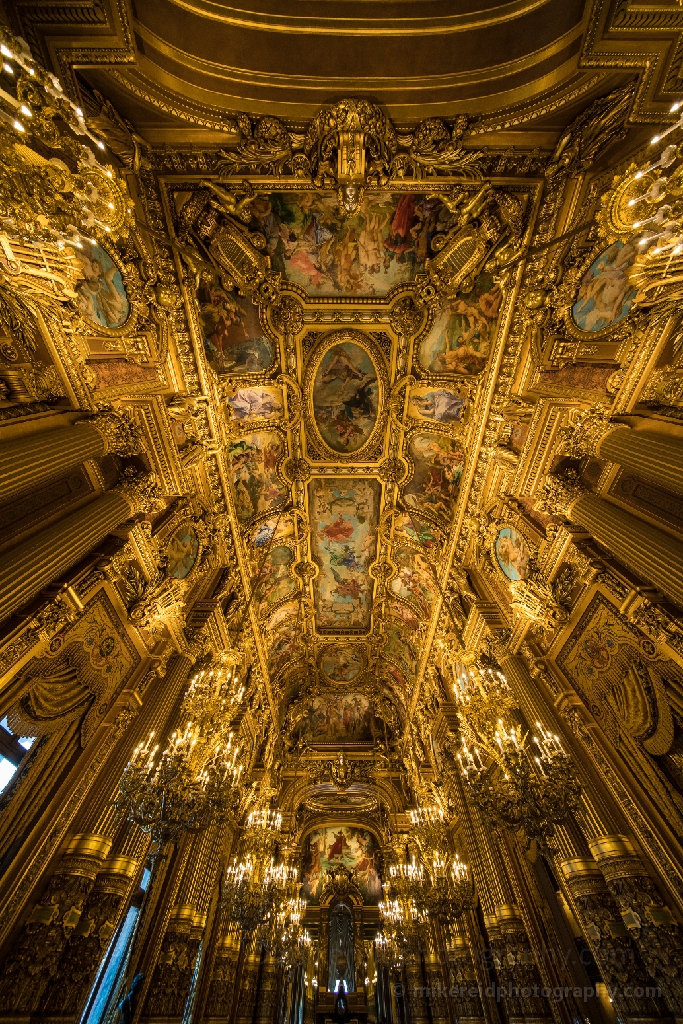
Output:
x=354 y=848
x=344 y=515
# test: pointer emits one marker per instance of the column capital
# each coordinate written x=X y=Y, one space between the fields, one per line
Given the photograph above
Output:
x=119 y=431
x=142 y=492
x=560 y=492
x=584 y=436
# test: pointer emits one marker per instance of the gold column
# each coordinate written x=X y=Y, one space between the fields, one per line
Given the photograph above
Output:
x=655 y=457
x=652 y=555
x=464 y=983
x=38 y=561
x=90 y=938
x=34 y=958
x=223 y=976
x=26 y=461
x=609 y=941
x=649 y=922
x=651 y=455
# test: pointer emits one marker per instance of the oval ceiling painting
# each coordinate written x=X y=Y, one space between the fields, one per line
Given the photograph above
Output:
x=345 y=397
x=101 y=294
x=606 y=294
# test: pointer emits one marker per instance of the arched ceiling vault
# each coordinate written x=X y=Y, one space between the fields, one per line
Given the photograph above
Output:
x=350 y=274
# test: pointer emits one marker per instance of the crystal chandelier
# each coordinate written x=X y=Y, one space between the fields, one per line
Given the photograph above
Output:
x=429 y=830
x=527 y=788
x=404 y=911
x=290 y=942
x=256 y=886
x=184 y=789
x=69 y=198
x=451 y=891
x=195 y=781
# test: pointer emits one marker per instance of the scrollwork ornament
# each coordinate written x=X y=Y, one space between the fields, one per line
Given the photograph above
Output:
x=560 y=492
x=142 y=491
x=287 y=315
x=582 y=438
x=121 y=434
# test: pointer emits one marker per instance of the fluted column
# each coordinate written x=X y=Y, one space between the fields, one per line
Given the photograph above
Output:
x=651 y=455
x=27 y=461
x=43 y=558
x=649 y=922
x=655 y=457
x=50 y=926
x=651 y=554
x=610 y=942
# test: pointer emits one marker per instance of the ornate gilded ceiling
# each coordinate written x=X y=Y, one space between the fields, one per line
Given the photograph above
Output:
x=351 y=372
x=349 y=286
x=520 y=71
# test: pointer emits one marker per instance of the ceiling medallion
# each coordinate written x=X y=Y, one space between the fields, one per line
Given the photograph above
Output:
x=345 y=384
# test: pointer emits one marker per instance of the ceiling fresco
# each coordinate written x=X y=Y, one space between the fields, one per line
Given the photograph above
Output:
x=350 y=333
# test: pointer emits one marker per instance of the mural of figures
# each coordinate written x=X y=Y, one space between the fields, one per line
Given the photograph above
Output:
x=343 y=543
x=606 y=294
x=339 y=718
x=400 y=650
x=254 y=462
x=345 y=397
x=234 y=340
x=280 y=615
x=272 y=582
x=426 y=535
x=512 y=553
x=462 y=334
x=181 y=551
x=255 y=404
x=285 y=649
x=403 y=612
x=342 y=663
x=384 y=244
x=441 y=405
x=353 y=848
x=101 y=294
x=414 y=582
x=438 y=463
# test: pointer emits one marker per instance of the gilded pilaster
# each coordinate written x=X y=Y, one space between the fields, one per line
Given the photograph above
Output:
x=611 y=945
x=650 y=923
x=35 y=956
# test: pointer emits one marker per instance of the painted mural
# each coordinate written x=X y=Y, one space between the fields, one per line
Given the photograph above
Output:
x=255 y=404
x=280 y=615
x=414 y=581
x=254 y=462
x=181 y=551
x=403 y=612
x=438 y=464
x=342 y=663
x=512 y=553
x=384 y=244
x=101 y=294
x=353 y=848
x=424 y=534
x=339 y=718
x=234 y=340
x=463 y=331
x=345 y=397
x=606 y=294
x=272 y=582
x=399 y=649
x=343 y=543
x=441 y=405
x=285 y=648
